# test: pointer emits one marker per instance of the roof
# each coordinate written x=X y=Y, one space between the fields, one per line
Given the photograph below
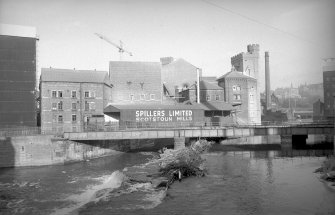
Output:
x=205 y=85
x=18 y=30
x=215 y=105
x=117 y=108
x=77 y=76
x=235 y=74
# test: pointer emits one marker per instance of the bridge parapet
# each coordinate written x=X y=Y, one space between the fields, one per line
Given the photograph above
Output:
x=228 y=132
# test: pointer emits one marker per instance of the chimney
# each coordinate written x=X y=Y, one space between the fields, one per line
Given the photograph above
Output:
x=166 y=60
x=267 y=82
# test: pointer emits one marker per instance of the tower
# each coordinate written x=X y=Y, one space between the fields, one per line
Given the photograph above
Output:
x=247 y=64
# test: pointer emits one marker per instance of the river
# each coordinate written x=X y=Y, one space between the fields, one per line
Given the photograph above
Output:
x=237 y=182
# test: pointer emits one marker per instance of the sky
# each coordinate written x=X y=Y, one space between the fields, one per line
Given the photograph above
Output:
x=298 y=34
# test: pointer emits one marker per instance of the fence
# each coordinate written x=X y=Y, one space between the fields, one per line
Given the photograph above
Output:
x=116 y=126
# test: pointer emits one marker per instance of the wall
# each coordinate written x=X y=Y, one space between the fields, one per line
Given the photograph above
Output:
x=18 y=76
x=178 y=73
x=136 y=82
x=47 y=150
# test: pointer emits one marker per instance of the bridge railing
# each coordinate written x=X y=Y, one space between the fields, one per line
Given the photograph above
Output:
x=116 y=126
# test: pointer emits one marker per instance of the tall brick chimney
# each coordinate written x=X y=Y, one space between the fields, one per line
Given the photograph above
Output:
x=267 y=82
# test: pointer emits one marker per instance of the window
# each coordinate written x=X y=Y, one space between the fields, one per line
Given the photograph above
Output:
x=217 y=97
x=60 y=118
x=234 y=88
x=142 y=97
x=152 y=96
x=131 y=97
x=74 y=118
x=237 y=97
x=54 y=94
x=86 y=94
x=87 y=106
x=54 y=106
x=208 y=97
x=238 y=88
x=251 y=98
x=74 y=94
x=74 y=106
x=92 y=106
x=60 y=94
x=60 y=105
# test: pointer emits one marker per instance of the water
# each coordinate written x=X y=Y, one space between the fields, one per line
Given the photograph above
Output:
x=239 y=182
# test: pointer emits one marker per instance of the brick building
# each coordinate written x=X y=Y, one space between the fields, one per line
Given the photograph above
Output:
x=240 y=91
x=329 y=87
x=71 y=99
x=136 y=82
x=248 y=64
x=17 y=76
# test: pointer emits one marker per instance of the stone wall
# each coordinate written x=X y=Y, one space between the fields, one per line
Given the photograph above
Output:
x=47 y=150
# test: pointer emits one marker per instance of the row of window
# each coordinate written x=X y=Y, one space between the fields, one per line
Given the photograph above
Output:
x=217 y=97
x=142 y=97
x=236 y=88
x=59 y=118
x=59 y=94
x=89 y=106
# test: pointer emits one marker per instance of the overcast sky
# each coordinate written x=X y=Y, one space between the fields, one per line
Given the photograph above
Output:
x=297 y=33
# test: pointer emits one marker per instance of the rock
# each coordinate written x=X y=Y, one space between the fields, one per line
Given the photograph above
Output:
x=159 y=182
x=319 y=170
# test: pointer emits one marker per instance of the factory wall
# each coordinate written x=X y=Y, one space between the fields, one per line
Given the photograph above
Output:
x=17 y=81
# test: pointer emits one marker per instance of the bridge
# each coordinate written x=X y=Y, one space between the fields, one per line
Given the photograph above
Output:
x=288 y=132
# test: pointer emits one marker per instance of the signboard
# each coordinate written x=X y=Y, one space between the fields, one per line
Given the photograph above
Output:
x=164 y=115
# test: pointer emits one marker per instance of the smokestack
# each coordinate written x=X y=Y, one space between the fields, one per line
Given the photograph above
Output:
x=267 y=82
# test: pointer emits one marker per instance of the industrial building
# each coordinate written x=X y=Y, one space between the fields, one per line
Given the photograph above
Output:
x=136 y=82
x=241 y=91
x=17 y=76
x=212 y=100
x=329 y=88
x=248 y=65
x=72 y=100
x=177 y=74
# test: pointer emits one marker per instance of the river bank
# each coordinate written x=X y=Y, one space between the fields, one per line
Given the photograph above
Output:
x=327 y=172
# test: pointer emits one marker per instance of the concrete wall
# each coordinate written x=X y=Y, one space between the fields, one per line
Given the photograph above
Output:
x=47 y=150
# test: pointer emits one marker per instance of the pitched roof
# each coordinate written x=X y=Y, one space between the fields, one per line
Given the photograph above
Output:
x=235 y=74
x=77 y=76
x=205 y=85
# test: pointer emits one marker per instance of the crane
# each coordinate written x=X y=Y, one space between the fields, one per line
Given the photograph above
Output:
x=120 y=47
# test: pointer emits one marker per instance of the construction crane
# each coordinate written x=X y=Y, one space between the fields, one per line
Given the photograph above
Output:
x=120 y=47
